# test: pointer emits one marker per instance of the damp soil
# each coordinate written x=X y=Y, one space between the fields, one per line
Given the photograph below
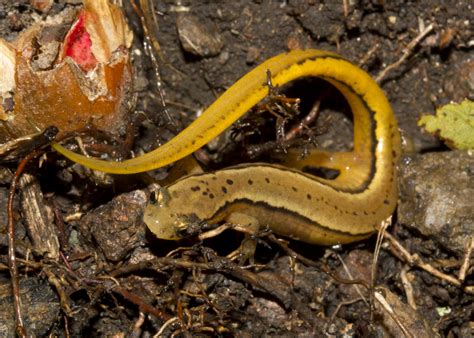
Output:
x=115 y=278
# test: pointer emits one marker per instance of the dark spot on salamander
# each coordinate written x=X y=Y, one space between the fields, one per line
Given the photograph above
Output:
x=211 y=195
x=308 y=196
x=250 y=182
x=205 y=193
x=335 y=207
x=294 y=189
x=355 y=213
x=195 y=188
x=267 y=180
x=386 y=202
x=224 y=190
x=229 y=181
x=365 y=213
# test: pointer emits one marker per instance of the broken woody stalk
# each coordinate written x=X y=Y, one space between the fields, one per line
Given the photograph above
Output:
x=69 y=78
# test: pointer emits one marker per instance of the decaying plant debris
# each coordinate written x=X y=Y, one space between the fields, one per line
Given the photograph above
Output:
x=99 y=271
x=70 y=70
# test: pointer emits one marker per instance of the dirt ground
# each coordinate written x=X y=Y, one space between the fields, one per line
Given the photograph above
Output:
x=114 y=278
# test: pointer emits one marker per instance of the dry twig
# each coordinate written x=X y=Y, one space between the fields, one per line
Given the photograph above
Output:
x=406 y=53
x=373 y=273
x=415 y=260
x=405 y=277
x=20 y=326
x=369 y=54
x=388 y=308
x=467 y=259
x=347 y=271
x=152 y=48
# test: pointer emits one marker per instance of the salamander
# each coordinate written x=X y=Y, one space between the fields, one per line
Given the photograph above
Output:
x=288 y=200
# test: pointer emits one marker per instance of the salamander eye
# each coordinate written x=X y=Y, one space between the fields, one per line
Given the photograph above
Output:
x=159 y=197
x=154 y=197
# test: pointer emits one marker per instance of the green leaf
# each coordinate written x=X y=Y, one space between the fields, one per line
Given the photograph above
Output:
x=454 y=123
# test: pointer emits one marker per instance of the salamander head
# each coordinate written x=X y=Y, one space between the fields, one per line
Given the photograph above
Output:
x=161 y=218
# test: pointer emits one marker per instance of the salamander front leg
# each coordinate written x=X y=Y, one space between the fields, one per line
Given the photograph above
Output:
x=247 y=248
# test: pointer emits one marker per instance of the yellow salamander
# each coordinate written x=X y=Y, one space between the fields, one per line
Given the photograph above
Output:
x=288 y=201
